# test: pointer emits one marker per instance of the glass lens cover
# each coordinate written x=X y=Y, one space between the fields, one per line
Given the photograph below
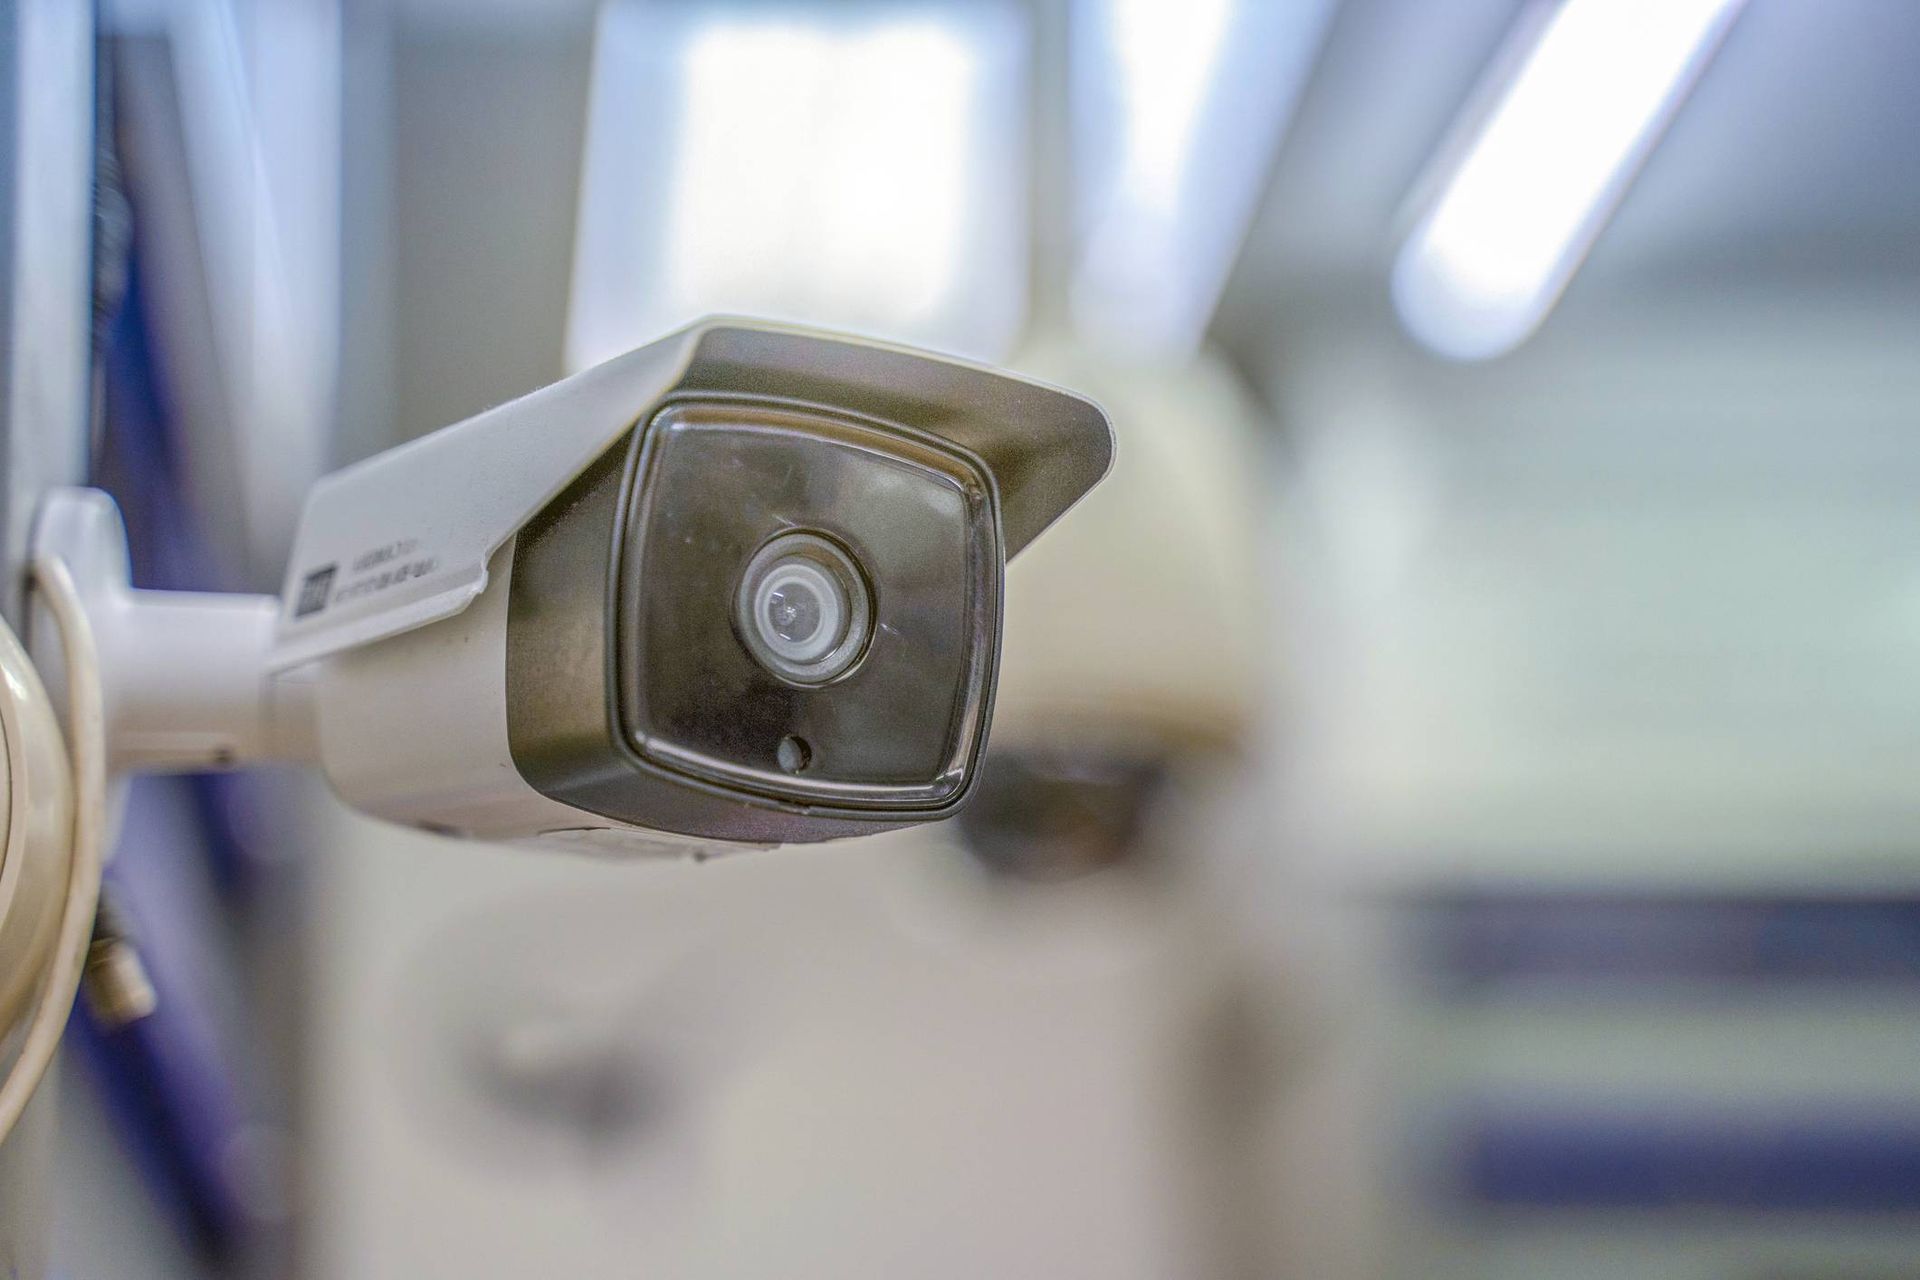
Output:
x=809 y=605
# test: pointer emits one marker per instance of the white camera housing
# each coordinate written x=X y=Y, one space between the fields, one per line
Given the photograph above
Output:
x=739 y=587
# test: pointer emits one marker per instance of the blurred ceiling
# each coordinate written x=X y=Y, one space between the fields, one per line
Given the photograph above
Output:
x=1797 y=156
x=478 y=15
x=1638 y=598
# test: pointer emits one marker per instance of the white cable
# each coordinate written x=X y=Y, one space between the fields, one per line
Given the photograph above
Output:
x=86 y=739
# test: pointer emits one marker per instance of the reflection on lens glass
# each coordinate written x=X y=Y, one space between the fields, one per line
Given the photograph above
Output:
x=793 y=611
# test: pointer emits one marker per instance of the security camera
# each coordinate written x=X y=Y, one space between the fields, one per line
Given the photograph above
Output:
x=740 y=587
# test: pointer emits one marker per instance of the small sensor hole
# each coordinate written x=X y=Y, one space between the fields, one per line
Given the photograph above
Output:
x=793 y=754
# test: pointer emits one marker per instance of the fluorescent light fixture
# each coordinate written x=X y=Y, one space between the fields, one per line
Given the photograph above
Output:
x=1177 y=109
x=1557 y=151
x=1166 y=57
x=821 y=168
x=862 y=168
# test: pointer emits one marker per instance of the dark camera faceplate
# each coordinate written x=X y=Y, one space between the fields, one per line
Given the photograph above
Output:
x=711 y=484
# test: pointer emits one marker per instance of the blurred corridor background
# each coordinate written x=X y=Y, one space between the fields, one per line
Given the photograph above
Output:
x=1452 y=806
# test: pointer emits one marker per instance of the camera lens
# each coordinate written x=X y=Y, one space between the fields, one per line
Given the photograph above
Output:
x=803 y=609
x=794 y=611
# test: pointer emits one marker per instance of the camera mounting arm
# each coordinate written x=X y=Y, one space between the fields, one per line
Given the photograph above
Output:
x=183 y=673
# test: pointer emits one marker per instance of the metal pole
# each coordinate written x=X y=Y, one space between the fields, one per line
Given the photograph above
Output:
x=47 y=109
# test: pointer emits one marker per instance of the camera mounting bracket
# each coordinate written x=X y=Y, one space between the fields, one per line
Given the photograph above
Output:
x=183 y=674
